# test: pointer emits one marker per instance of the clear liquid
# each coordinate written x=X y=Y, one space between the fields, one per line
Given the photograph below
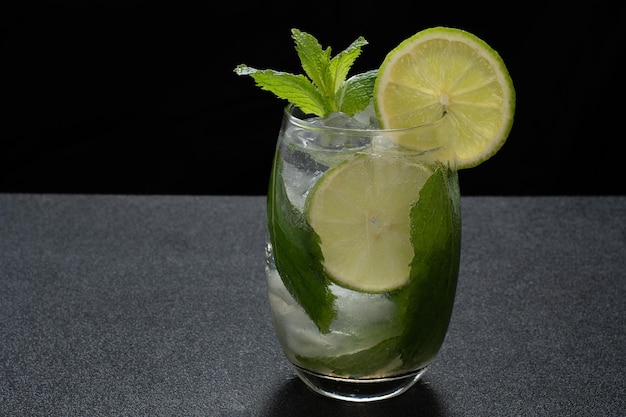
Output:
x=363 y=321
x=368 y=336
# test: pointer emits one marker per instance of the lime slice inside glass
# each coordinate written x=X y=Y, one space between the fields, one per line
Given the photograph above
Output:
x=360 y=210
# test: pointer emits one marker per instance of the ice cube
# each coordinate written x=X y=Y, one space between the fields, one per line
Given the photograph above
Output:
x=367 y=117
x=343 y=120
x=298 y=182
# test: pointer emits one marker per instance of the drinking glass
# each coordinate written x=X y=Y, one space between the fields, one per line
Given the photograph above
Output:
x=356 y=321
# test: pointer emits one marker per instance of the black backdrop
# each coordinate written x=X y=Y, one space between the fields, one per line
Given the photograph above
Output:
x=140 y=97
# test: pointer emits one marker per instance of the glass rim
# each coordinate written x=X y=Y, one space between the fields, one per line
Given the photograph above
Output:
x=290 y=109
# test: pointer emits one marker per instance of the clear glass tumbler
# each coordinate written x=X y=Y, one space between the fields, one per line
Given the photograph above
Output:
x=363 y=253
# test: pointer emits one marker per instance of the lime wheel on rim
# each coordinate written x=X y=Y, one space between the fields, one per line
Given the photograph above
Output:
x=448 y=71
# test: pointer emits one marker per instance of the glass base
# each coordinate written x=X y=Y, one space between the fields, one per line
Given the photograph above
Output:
x=358 y=390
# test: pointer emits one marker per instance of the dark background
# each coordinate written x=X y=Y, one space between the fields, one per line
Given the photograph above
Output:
x=139 y=97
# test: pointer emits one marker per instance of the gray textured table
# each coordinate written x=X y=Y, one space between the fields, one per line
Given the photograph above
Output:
x=155 y=306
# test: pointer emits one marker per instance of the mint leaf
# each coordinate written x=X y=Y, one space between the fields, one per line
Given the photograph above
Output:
x=356 y=93
x=296 y=88
x=324 y=89
x=355 y=365
x=425 y=305
x=297 y=254
x=340 y=65
x=314 y=60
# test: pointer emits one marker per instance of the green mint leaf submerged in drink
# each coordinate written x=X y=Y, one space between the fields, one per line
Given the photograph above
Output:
x=425 y=305
x=325 y=89
x=297 y=255
x=360 y=364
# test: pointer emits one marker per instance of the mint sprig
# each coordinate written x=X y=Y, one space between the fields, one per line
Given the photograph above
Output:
x=325 y=88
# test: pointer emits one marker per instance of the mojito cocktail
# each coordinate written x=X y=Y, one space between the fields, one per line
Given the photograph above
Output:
x=363 y=254
x=363 y=205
